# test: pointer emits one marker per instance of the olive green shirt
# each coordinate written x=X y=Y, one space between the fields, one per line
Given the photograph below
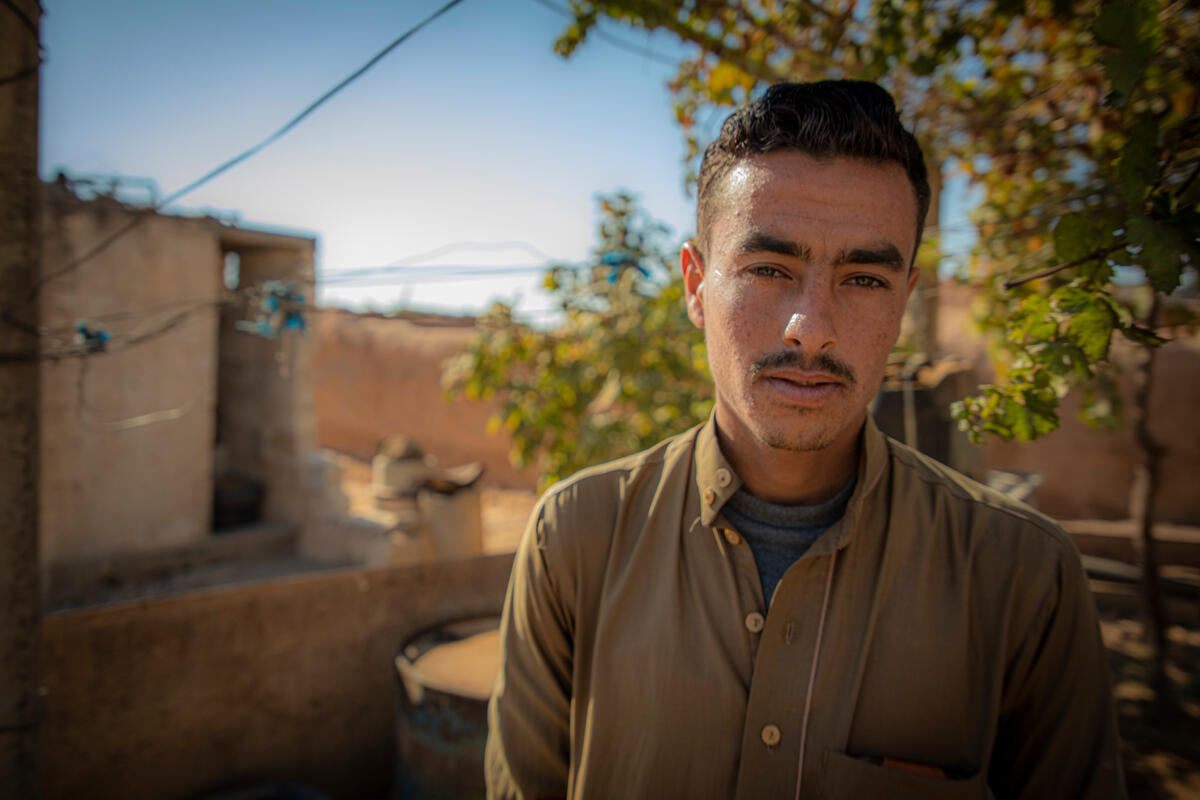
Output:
x=937 y=623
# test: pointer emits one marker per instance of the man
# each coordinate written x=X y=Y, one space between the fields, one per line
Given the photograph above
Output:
x=783 y=602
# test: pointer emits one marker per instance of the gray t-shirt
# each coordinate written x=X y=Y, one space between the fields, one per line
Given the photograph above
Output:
x=779 y=535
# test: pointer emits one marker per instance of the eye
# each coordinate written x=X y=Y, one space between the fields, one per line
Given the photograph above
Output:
x=866 y=282
x=766 y=271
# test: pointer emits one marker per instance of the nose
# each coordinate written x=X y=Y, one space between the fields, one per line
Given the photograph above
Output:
x=811 y=326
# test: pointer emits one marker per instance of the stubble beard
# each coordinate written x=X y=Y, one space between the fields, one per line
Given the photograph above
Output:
x=797 y=441
x=775 y=434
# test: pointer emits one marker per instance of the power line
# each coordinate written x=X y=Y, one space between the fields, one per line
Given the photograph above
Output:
x=406 y=262
x=84 y=409
x=26 y=20
x=24 y=72
x=311 y=107
x=426 y=274
x=231 y=163
x=452 y=247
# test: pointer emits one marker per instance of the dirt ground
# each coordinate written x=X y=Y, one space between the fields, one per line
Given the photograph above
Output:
x=1161 y=751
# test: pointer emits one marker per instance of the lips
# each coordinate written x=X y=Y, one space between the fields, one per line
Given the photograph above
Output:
x=802 y=388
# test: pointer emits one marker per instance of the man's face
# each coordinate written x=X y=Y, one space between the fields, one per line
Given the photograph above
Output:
x=801 y=294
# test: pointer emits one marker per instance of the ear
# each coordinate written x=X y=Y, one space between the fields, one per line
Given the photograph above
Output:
x=692 y=264
x=914 y=275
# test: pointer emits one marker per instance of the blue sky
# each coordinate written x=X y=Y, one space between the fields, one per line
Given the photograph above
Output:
x=471 y=132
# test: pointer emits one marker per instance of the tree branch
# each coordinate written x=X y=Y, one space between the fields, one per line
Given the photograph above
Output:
x=1095 y=254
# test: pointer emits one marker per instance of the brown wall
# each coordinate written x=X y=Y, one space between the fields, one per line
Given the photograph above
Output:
x=111 y=486
x=374 y=378
x=1087 y=474
x=265 y=418
x=149 y=486
x=378 y=377
x=288 y=681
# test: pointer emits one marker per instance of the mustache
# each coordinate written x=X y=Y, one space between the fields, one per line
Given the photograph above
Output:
x=793 y=359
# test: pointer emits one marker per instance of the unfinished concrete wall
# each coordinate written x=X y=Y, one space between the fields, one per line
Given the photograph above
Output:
x=110 y=482
x=288 y=681
x=374 y=378
x=128 y=434
x=265 y=419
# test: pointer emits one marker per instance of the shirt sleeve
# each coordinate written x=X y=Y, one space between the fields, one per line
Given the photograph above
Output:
x=1058 y=732
x=528 y=747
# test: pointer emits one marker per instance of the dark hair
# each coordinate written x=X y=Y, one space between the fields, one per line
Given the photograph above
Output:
x=824 y=119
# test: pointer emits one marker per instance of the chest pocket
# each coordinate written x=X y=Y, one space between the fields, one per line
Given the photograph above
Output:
x=844 y=777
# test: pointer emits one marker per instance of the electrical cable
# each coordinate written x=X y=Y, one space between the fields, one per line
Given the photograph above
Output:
x=75 y=263
x=426 y=274
x=21 y=73
x=452 y=247
x=116 y=344
x=26 y=20
x=139 y=421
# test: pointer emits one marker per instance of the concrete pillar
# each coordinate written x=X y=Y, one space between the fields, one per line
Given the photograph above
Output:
x=20 y=595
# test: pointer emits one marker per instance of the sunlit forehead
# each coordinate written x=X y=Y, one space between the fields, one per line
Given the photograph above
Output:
x=739 y=177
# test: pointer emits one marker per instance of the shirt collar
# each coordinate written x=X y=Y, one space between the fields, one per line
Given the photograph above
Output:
x=716 y=481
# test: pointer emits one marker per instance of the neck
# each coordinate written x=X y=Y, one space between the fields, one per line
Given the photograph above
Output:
x=790 y=477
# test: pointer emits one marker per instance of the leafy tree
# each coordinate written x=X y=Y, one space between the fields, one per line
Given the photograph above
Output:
x=624 y=368
x=1078 y=120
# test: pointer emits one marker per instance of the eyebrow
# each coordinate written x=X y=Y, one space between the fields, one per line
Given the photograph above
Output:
x=759 y=242
x=884 y=255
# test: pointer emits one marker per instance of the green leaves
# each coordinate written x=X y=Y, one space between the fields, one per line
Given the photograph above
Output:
x=1161 y=247
x=624 y=369
x=1128 y=24
x=1131 y=28
x=1074 y=237
x=1138 y=168
x=1011 y=412
x=1091 y=328
x=1077 y=128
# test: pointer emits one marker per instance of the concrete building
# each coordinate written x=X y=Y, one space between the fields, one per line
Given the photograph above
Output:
x=137 y=439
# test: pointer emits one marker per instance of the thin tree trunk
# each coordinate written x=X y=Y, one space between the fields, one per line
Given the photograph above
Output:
x=1141 y=506
x=20 y=594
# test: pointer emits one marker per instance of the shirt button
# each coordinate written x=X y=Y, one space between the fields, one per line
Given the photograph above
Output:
x=723 y=477
x=732 y=537
x=709 y=497
x=771 y=735
x=754 y=622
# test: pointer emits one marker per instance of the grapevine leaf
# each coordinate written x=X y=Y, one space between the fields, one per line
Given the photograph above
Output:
x=1138 y=167
x=1128 y=25
x=1074 y=237
x=1124 y=70
x=1092 y=329
x=1161 y=246
x=1144 y=336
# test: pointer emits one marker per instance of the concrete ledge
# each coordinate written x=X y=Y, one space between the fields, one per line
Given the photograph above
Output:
x=1178 y=545
x=73 y=583
x=289 y=680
